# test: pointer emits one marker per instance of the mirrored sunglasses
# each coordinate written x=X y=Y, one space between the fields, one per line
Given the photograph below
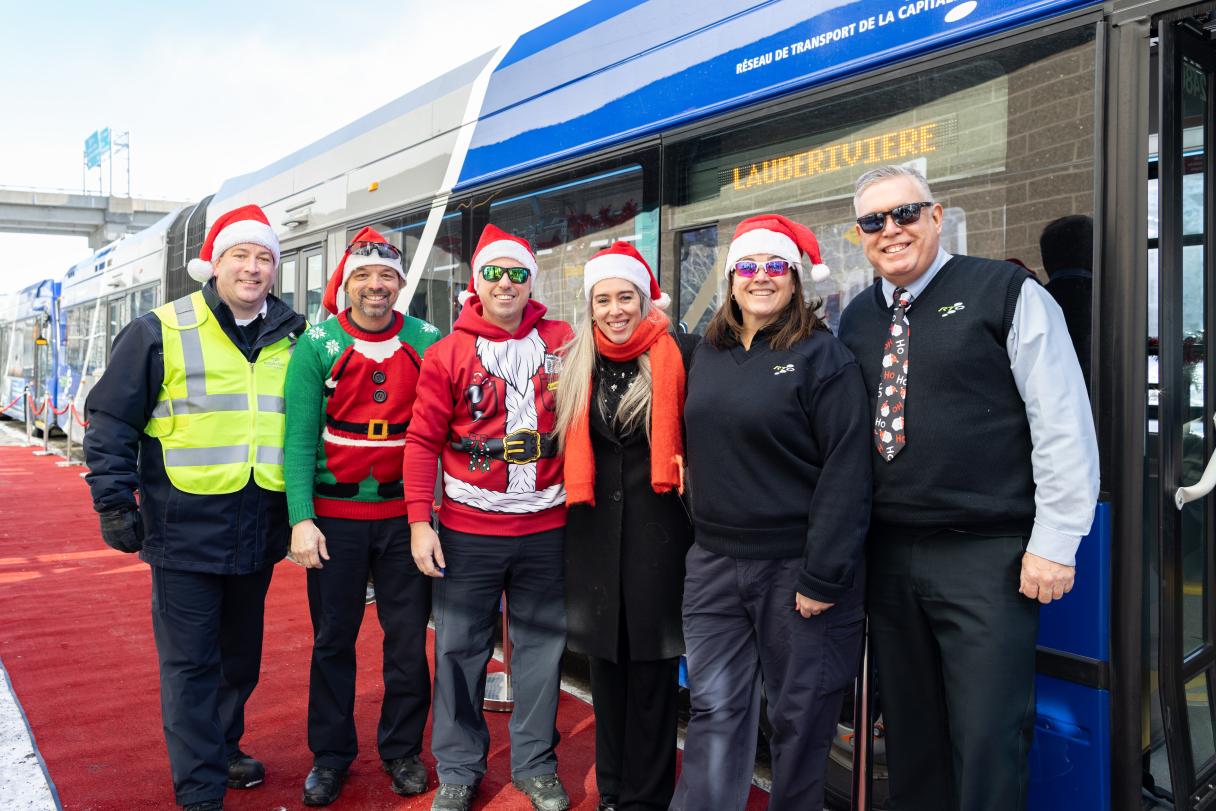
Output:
x=773 y=267
x=381 y=249
x=492 y=273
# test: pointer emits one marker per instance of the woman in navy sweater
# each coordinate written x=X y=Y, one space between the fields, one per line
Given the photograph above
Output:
x=778 y=444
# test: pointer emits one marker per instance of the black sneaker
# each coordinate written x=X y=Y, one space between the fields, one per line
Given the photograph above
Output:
x=205 y=805
x=409 y=775
x=607 y=803
x=545 y=791
x=323 y=785
x=244 y=771
x=453 y=797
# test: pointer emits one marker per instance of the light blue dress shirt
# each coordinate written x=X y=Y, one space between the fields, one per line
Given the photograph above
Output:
x=1064 y=446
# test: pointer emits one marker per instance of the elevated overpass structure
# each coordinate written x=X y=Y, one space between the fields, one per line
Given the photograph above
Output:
x=102 y=219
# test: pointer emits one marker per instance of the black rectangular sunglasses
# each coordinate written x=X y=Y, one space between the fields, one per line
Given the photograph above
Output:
x=903 y=215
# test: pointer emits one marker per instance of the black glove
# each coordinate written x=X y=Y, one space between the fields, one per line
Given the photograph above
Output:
x=122 y=530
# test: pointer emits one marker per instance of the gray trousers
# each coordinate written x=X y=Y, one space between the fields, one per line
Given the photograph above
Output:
x=479 y=568
x=741 y=629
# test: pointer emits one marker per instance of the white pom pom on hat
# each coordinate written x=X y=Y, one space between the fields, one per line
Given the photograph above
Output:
x=778 y=236
x=247 y=224
x=621 y=260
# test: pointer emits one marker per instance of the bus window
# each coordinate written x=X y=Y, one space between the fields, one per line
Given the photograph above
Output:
x=314 y=272
x=1005 y=139
x=569 y=221
x=445 y=271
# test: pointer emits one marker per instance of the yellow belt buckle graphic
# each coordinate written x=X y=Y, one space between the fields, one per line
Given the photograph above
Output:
x=515 y=446
x=377 y=429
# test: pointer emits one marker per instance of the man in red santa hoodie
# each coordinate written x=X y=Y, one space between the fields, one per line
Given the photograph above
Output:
x=485 y=409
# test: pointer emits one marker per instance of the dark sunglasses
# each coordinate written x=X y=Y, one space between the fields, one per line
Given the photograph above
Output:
x=381 y=249
x=903 y=215
x=492 y=273
x=773 y=267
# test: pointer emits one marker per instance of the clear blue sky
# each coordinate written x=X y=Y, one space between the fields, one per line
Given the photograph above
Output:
x=210 y=90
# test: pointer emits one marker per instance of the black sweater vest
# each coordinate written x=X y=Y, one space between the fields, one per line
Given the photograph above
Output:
x=967 y=460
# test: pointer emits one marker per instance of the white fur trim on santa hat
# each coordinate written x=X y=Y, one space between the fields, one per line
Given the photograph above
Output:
x=246 y=231
x=761 y=241
x=353 y=263
x=615 y=266
x=504 y=249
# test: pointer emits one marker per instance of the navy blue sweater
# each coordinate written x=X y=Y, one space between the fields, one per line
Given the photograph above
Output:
x=779 y=457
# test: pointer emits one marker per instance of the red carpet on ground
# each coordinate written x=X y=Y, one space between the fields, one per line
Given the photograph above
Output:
x=76 y=638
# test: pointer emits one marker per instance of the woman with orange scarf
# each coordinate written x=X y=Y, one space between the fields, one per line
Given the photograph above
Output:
x=619 y=416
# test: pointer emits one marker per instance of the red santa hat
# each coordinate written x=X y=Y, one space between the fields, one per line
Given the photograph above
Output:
x=621 y=260
x=781 y=237
x=247 y=224
x=496 y=243
x=334 y=299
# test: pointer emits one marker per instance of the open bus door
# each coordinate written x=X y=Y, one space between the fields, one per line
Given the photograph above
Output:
x=1187 y=406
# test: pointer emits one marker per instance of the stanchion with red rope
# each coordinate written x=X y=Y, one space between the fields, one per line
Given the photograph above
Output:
x=75 y=417
x=49 y=409
x=14 y=402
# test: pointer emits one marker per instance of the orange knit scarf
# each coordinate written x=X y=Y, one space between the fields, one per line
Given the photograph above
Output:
x=666 y=411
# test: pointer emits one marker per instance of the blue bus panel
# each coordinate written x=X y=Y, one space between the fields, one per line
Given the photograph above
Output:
x=1070 y=758
x=609 y=72
x=1080 y=623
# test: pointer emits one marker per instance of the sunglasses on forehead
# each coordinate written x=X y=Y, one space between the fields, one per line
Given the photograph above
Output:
x=492 y=273
x=903 y=215
x=773 y=267
x=380 y=249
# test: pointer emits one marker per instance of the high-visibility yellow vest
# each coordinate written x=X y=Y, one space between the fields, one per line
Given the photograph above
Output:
x=218 y=416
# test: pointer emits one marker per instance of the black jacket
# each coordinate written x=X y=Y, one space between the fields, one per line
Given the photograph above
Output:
x=779 y=446
x=626 y=554
x=236 y=533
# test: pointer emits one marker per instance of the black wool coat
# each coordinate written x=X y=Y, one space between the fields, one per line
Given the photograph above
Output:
x=625 y=555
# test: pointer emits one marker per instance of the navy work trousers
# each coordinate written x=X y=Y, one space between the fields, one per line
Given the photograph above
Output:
x=954 y=643
x=208 y=630
x=741 y=630
x=336 y=601
x=479 y=568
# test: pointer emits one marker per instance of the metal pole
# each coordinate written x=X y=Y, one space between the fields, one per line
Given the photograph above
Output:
x=863 y=730
x=25 y=406
x=48 y=411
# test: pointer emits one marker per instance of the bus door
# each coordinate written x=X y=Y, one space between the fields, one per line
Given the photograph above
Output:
x=1187 y=407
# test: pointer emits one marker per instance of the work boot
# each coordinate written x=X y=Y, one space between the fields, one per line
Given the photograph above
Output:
x=244 y=771
x=409 y=775
x=545 y=791
x=323 y=785
x=453 y=797
x=205 y=805
x=607 y=803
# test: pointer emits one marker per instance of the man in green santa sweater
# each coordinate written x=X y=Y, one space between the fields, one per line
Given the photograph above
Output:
x=350 y=395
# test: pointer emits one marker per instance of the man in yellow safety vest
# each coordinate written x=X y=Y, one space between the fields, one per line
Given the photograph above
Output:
x=189 y=414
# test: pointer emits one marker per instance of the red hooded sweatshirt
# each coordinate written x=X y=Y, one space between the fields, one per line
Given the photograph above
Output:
x=479 y=386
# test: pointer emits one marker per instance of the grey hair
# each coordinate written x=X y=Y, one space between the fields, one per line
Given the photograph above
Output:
x=882 y=173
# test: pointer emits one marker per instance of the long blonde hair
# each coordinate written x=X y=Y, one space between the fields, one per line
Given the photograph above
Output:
x=580 y=359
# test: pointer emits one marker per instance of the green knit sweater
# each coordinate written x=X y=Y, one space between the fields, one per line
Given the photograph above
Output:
x=350 y=395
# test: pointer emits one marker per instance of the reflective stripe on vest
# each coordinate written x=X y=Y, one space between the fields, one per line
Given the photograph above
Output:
x=219 y=417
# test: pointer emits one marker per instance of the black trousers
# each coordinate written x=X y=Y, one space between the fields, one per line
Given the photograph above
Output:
x=636 y=703
x=208 y=631
x=336 y=601
x=954 y=643
x=742 y=630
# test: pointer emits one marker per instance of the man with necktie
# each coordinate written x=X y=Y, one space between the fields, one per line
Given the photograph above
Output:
x=985 y=480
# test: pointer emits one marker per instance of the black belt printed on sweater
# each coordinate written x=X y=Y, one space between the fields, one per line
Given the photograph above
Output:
x=520 y=447
x=375 y=429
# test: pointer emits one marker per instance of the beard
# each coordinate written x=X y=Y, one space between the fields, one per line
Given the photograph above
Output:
x=373 y=310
